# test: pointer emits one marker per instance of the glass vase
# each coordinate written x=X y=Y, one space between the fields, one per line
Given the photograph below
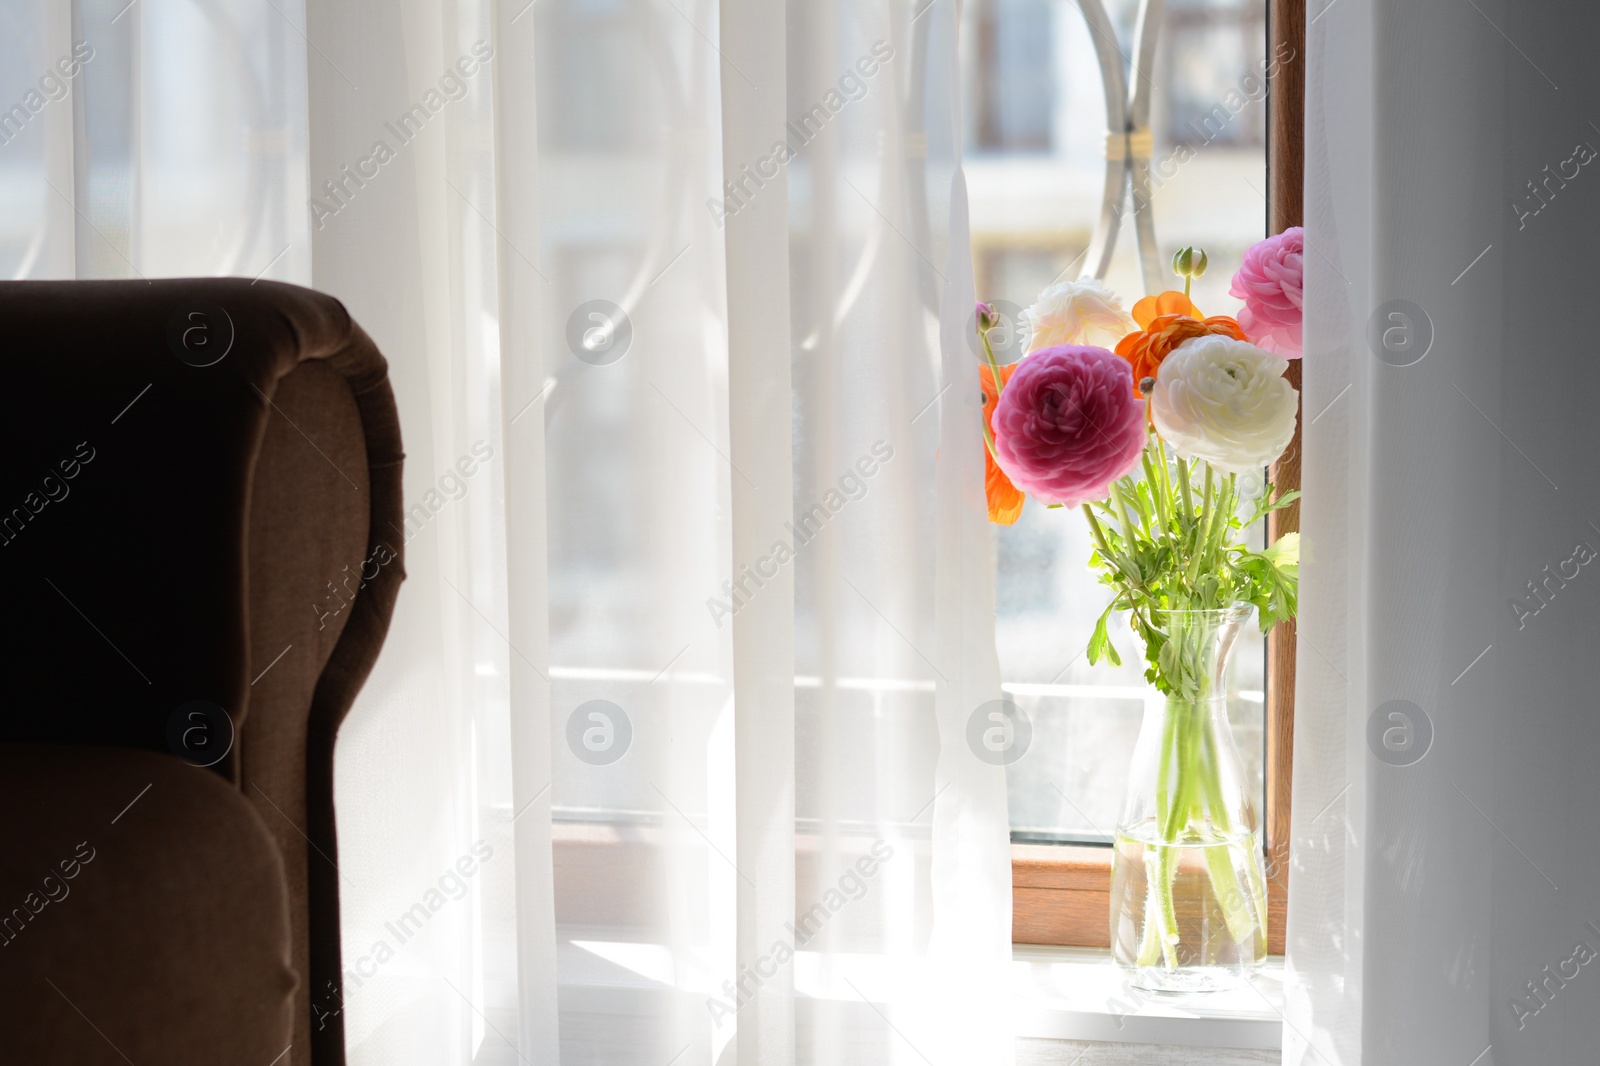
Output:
x=1188 y=885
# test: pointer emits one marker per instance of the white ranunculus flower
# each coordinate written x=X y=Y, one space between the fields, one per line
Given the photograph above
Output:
x=1078 y=312
x=1224 y=401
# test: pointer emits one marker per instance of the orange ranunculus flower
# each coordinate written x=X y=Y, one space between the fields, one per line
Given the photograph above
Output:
x=1162 y=335
x=1005 y=499
x=1150 y=308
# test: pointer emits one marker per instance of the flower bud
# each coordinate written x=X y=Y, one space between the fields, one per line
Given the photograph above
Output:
x=987 y=319
x=1189 y=262
x=1146 y=386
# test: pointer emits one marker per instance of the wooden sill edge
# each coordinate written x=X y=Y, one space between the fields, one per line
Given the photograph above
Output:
x=1064 y=866
x=1061 y=895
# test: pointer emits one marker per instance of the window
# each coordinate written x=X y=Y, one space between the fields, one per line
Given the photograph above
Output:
x=1015 y=93
x=1035 y=170
x=1034 y=203
x=1211 y=45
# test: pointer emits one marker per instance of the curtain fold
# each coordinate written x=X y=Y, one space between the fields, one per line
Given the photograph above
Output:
x=1443 y=898
x=520 y=301
x=755 y=243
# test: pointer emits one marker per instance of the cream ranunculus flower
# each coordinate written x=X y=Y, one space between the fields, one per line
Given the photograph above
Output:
x=1078 y=312
x=1224 y=401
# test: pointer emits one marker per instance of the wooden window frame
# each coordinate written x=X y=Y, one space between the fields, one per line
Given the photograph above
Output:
x=1062 y=894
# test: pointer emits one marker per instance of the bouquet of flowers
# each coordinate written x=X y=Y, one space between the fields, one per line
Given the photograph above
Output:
x=1159 y=427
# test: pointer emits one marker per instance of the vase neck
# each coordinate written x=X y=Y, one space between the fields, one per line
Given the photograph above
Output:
x=1160 y=707
x=1194 y=660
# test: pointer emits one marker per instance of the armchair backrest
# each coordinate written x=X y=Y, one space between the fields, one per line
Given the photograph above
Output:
x=200 y=547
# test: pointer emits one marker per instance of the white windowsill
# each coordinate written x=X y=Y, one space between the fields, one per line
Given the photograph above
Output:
x=1058 y=993
x=1080 y=994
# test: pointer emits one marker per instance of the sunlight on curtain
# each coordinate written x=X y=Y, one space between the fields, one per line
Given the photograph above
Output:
x=562 y=837
x=162 y=139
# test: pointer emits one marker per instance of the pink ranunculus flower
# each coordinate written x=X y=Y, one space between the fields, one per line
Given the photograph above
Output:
x=1068 y=424
x=1271 y=284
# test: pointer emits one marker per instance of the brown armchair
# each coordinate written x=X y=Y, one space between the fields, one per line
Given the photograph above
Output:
x=199 y=556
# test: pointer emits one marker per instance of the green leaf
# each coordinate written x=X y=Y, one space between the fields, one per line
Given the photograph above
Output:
x=1284 y=555
x=1100 y=646
x=1285 y=500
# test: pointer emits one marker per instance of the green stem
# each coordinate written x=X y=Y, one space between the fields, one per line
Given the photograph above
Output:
x=1226 y=501
x=1166 y=493
x=1150 y=935
x=1122 y=509
x=999 y=384
x=1129 y=573
x=994 y=364
x=1242 y=919
x=1156 y=493
x=1187 y=785
x=1258 y=892
x=1177 y=816
x=1160 y=931
x=1099 y=536
x=1169 y=908
x=1237 y=909
x=1183 y=489
x=1190 y=803
x=1154 y=914
x=1141 y=507
x=1202 y=531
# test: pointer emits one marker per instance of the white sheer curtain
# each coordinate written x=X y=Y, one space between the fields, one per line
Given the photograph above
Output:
x=166 y=141
x=1445 y=896
x=747 y=514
